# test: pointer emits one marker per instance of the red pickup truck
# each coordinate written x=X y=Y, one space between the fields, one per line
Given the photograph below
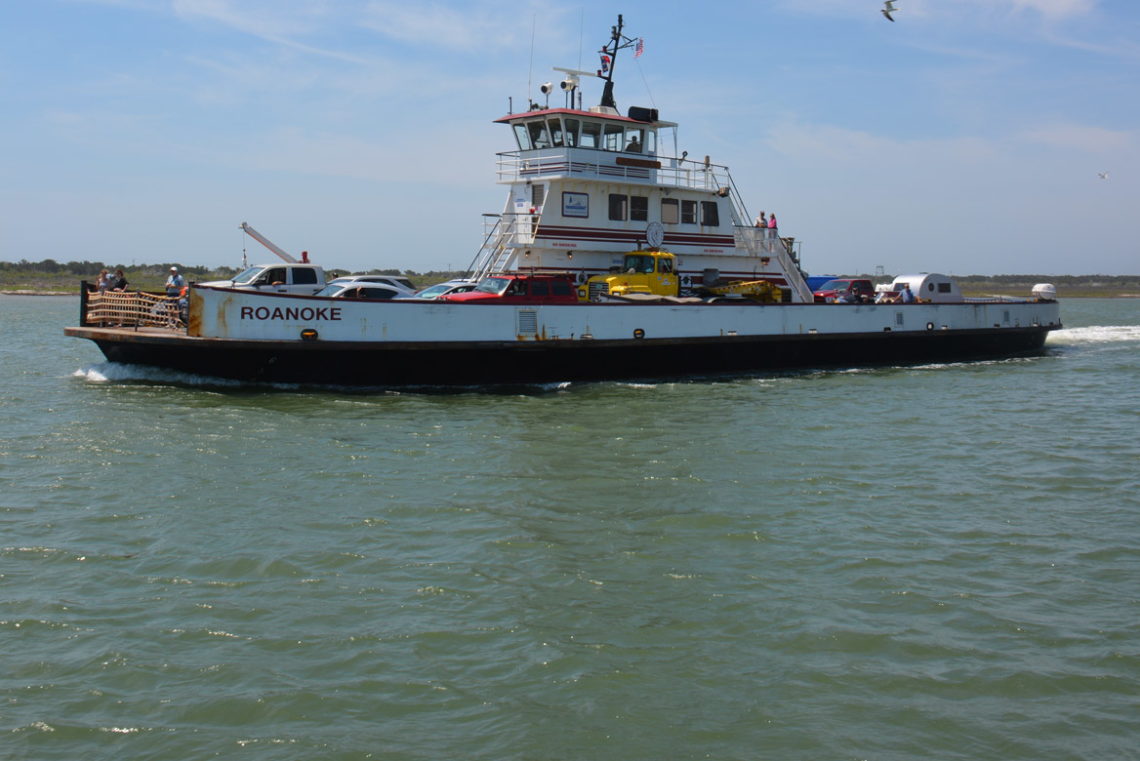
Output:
x=520 y=288
x=850 y=290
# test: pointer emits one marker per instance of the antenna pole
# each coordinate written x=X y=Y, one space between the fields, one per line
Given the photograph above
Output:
x=618 y=41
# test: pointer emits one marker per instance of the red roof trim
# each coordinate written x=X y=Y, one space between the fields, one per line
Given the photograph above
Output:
x=571 y=111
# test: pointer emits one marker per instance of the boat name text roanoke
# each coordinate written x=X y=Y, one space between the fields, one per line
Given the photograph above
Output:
x=290 y=313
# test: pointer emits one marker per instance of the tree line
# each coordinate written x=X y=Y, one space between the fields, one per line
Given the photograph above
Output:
x=54 y=274
x=140 y=274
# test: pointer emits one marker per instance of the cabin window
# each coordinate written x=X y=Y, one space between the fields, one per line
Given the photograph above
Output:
x=571 y=131
x=560 y=288
x=539 y=288
x=555 y=125
x=591 y=134
x=670 y=211
x=634 y=140
x=688 y=212
x=612 y=139
x=618 y=205
x=930 y=286
x=537 y=196
x=944 y=288
x=539 y=138
x=710 y=215
x=523 y=137
x=650 y=141
x=303 y=276
x=665 y=265
x=639 y=208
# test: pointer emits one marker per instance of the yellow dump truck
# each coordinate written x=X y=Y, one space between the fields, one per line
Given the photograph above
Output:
x=654 y=273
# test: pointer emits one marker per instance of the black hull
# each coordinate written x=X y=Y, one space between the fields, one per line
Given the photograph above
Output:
x=484 y=363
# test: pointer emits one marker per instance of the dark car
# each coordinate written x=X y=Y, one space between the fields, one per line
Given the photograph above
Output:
x=845 y=289
x=538 y=288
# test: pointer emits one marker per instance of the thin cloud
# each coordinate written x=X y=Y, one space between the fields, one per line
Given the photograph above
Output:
x=278 y=23
x=1056 y=9
x=1053 y=10
x=459 y=29
x=1082 y=138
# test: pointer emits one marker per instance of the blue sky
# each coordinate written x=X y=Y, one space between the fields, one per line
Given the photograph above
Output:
x=966 y=137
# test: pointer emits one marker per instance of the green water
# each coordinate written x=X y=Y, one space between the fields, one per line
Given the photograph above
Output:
x=928 y=562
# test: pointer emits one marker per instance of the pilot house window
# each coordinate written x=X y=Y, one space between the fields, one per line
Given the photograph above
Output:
x=591 y=134
x=670 y=213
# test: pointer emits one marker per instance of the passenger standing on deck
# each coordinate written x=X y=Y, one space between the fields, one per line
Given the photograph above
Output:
x=906 y=296
x=761 y=221
x=120 y=281
x=772 y=226
x=104 y=281
x=174 y=283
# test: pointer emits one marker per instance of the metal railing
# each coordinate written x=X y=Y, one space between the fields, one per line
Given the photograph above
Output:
x=508 y=232
x=585 y=162
x=675 y=172
x=763 y=242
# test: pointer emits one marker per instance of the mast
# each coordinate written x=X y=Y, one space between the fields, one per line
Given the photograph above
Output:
x=609 y=52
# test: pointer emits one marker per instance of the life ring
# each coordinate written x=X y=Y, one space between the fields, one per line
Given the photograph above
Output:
x=639 y=333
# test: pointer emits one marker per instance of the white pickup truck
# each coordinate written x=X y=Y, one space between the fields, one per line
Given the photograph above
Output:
x=293 y=277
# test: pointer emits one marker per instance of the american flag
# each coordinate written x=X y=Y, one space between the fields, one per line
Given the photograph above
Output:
x=637 y=51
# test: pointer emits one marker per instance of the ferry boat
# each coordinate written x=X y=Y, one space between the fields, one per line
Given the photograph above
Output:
x=589 y=191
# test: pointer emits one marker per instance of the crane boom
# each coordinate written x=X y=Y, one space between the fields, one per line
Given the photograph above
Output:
x=268 y=243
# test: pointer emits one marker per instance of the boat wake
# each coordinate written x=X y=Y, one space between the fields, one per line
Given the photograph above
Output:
x=1094 y=334
x=114 y=372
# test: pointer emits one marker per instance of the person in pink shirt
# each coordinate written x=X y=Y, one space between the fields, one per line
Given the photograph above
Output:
x=772 y=225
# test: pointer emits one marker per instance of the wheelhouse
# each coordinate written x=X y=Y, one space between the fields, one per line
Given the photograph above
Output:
x=567 y=128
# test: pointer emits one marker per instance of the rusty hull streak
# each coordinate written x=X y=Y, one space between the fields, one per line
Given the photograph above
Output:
x=223 y=304
x=194 y=324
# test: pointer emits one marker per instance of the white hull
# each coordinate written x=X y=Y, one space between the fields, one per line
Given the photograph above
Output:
x=229 y=314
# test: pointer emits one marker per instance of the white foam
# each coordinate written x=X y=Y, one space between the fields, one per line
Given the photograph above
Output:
x=114 y=372
x=1094 y=334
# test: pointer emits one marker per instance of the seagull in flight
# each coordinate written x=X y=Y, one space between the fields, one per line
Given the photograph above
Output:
x=888 y=9
x=1102 y=175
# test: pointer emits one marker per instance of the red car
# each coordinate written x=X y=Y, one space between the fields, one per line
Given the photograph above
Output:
x=539 y=288
x=849 y=290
